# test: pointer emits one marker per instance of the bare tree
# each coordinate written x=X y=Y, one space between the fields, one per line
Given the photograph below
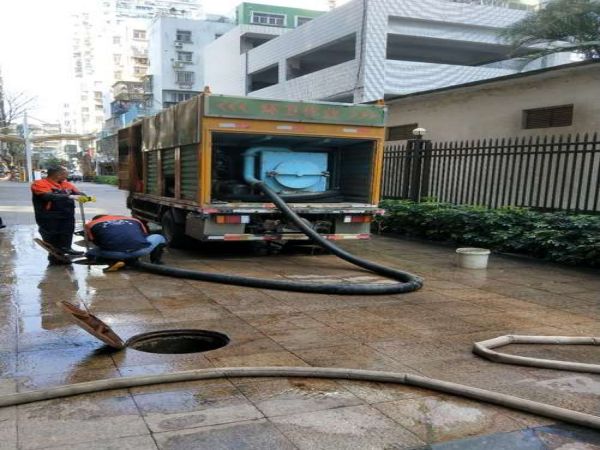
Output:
x=12 y=106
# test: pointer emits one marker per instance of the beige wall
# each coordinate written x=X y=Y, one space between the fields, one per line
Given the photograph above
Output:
x=495 y=110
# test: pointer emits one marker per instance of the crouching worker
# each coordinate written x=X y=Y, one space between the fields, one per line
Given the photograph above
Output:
x=121 y=240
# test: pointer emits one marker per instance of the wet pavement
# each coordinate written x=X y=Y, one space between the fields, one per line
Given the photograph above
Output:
x=429 y=332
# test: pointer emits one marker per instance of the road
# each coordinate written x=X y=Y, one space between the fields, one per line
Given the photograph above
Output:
x=16 y=208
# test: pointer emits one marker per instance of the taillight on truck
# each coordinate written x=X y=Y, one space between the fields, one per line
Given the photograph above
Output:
x=358 y=219
x=232 y=219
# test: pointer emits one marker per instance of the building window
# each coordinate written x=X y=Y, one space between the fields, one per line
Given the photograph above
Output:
x=401 y=132
x=117 y=59
x=277 y=20
x=185 y=57
x=554 y=116
x=116 y=40
x=302 y=20
x=176 y=97
x=171 y=98
x=185 y=77
x=118 y=75
x=139 y=34
x=184 y=36
x=139 y=71
x=141 y=61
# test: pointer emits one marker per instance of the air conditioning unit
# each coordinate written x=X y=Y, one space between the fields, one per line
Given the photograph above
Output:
x=177 y=64
x=178 y=44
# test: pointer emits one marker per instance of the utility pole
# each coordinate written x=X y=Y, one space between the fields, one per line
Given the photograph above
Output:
x=28 y=166
x=3 y=145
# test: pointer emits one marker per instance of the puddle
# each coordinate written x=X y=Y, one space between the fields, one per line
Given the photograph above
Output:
x=576 y=384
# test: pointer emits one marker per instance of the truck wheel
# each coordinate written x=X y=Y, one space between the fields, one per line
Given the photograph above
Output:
x=173 y=232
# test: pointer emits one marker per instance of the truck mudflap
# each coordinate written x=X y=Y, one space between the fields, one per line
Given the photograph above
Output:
x=283 y=237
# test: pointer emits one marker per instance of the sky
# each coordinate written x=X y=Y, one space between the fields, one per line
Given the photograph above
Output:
x=35 y=46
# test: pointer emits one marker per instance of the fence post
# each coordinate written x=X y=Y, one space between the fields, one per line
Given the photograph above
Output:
x=409 y=157
x=425 y=168
x=417 y=168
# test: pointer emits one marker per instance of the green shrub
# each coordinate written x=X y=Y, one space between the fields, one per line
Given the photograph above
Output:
x=565 y=238
x=106 y=179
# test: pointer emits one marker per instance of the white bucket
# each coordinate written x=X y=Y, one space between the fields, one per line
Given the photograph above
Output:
x=472 y=258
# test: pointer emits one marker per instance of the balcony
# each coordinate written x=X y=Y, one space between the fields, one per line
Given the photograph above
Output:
x=180 y=44
x=128 y=90
x=147 y=84
x=139 y=52
x=528 y=5
x=124 y=113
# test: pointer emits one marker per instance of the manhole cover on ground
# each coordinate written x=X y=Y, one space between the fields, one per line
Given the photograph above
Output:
x=163 y=341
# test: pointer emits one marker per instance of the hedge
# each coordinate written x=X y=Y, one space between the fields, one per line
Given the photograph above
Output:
x=572 y=239
x=106 y=179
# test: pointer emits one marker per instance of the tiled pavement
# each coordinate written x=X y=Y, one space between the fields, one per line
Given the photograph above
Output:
x=429 y=332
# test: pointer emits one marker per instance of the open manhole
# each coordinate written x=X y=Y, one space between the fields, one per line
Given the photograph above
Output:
x=178 y=341
x=164 y=341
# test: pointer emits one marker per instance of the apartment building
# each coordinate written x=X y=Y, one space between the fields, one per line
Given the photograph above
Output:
x=257 y=24
x=110 y=44
x=177 y=59
x=371 y=49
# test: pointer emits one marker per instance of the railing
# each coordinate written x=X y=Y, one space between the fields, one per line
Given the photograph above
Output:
x=550 y=173
x=139 y=52
x=512 y=4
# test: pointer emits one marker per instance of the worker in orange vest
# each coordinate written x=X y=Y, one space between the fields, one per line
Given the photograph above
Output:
x=122 y=238
x=54 y=205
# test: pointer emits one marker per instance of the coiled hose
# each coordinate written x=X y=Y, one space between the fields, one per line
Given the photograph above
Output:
x=407 y=282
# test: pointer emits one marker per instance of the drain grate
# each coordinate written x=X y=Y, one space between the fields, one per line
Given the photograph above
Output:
x=178 y=341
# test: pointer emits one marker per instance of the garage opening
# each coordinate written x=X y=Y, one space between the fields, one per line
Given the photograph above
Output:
x=263 y=78
x=320 y=58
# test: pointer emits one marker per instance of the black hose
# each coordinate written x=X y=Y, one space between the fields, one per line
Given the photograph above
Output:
x=406 y=281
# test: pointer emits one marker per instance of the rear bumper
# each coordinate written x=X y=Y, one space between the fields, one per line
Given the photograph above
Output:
x=284 y=237
x=299 y=208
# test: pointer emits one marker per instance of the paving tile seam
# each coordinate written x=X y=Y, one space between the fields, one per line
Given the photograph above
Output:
x=140 y=412
x=279 y=429
x=80 y=442
x=241 y=422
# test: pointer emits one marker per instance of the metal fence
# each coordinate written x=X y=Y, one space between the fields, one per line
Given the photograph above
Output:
x=550 y=173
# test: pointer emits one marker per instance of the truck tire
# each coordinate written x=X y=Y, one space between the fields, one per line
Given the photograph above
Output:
x=173 y=232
